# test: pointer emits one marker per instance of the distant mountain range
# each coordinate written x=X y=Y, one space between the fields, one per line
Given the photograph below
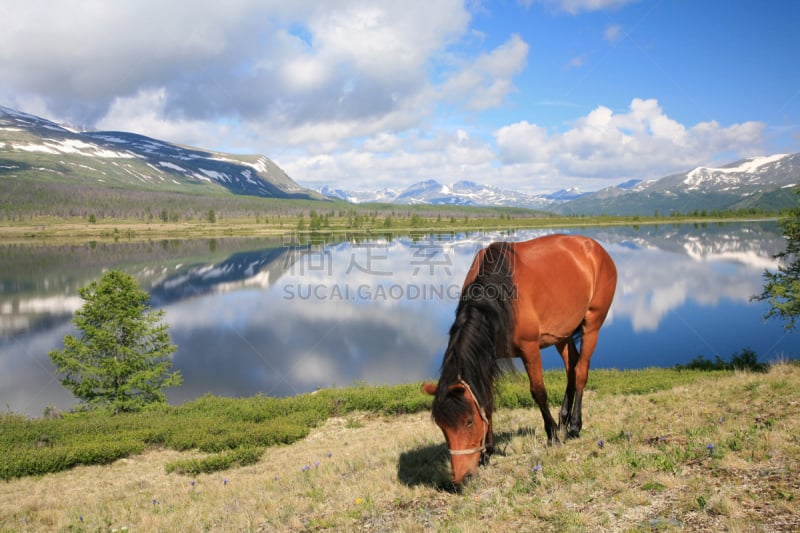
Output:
x=463 y=192
x=763 y=182
x=36 y=149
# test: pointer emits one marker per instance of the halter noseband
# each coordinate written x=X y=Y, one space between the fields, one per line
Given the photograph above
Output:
x=484 y=421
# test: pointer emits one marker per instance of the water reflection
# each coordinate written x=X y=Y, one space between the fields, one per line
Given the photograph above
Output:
x=280 y=318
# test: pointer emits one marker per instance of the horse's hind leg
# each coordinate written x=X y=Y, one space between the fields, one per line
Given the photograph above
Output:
x=569 y=353
x=588 y=344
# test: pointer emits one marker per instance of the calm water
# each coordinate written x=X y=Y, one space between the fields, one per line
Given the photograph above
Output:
x=277 y=318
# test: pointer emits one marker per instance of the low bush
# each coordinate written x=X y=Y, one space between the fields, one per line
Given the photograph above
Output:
x=743 y=360
x=214 y=463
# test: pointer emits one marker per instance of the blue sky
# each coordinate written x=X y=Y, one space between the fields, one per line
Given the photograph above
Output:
x=531 y=95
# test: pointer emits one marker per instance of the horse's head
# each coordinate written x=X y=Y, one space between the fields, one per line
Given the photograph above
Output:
x=463 y=421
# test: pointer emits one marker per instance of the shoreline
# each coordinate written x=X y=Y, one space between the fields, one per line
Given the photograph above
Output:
x=47 y=231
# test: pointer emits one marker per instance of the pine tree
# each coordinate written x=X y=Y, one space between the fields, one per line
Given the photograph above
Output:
x=782 y=288
x=121 y=359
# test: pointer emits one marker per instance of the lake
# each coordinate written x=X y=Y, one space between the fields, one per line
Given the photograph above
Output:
x=278 y=317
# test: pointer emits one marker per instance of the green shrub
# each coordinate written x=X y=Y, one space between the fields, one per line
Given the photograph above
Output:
x=746 y=359
x=215 y=463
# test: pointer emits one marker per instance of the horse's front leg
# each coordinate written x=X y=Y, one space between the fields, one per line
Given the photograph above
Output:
x=532 y=359
x=486 y=454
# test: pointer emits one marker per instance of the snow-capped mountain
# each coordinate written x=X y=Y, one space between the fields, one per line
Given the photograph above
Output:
x=359 y=197
x=32 y=146
x=755 y=173
x=766 y=182
x=432 y=192
x=564 y=195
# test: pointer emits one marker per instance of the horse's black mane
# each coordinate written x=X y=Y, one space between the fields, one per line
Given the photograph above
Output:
x=479 y=336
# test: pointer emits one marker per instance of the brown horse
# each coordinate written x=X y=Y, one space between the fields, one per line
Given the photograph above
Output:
x=518 y=298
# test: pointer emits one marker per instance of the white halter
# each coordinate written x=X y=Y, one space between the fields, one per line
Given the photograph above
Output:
x=484 y=421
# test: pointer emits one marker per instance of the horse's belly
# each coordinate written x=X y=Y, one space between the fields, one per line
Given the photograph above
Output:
x=549 y=339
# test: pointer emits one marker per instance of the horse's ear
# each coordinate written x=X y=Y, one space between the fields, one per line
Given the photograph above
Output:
x=429 y=388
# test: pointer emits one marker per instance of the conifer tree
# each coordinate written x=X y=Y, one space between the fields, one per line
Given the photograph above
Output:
x=121 y=358
x=782 y=288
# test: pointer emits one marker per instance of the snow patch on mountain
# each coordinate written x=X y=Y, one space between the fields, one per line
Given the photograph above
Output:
x=431 y=192
x=733 y=176
x=747 y=165
x=136 y=158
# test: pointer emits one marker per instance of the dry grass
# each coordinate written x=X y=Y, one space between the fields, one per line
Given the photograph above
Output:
x=376 y=473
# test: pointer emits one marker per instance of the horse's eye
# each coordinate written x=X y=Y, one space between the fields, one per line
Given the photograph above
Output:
x=469 y=422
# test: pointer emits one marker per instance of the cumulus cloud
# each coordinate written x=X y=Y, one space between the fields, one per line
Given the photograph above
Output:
x=286 y=62
x=79 y=64
x=321 y=78
x=485 y=82
x=642 y=142
x=447 y=156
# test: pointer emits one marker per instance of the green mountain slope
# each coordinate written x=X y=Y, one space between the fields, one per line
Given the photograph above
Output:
x=35 y=150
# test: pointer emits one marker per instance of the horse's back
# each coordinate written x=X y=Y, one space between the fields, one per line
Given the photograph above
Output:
x=563 y=281
x=558 y=256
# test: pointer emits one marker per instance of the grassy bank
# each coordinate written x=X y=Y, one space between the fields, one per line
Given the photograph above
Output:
x=661 y=450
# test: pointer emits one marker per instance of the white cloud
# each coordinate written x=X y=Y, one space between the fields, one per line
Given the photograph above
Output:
x=487 y=80
x=613 y=33
x=642 y=142
x=574 y=7
x=447 y=156
x=284 y=62
x=80 y=63
x=146 y=112
x=576 y=62
x=342 y=91
x=599 y=149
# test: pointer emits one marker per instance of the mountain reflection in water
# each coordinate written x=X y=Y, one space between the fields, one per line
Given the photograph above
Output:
x=256 y=316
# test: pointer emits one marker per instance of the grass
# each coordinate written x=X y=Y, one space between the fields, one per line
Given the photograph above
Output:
x=661 y=450
x=229 y=431
x=367 y=220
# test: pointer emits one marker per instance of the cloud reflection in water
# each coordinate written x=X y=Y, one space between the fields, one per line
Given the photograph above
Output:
x=282 y=320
